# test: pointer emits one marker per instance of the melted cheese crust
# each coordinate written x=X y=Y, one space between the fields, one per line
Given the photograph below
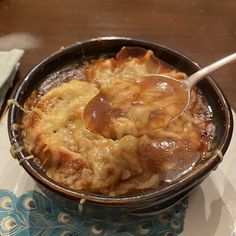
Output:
x=58 y=132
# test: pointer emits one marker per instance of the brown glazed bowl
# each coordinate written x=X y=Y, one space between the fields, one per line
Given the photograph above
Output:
x=147 y=203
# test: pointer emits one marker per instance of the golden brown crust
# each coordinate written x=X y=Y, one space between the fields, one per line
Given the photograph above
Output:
x=129 y=150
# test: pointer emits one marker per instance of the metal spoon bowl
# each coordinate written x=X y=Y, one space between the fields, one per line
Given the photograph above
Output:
x=192 y=80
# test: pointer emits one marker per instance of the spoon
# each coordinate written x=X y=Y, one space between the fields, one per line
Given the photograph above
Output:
x=192 y=80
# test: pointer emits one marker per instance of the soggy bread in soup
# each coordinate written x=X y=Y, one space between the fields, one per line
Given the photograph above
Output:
x=113 y=132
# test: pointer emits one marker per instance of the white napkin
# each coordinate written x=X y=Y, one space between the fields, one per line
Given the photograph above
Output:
x=9 y=62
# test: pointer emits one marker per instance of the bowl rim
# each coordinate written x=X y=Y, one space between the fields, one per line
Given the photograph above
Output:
x=160 y=194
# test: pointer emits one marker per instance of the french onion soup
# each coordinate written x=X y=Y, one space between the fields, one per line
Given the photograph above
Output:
x=109 y=126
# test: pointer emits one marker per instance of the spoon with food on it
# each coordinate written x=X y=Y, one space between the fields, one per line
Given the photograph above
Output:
x=150 y=102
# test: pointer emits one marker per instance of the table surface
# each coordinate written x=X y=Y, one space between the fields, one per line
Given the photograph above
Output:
x=202 y=30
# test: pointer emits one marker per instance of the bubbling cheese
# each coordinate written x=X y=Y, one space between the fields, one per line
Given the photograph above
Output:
x=113 y=133
x=143 y=104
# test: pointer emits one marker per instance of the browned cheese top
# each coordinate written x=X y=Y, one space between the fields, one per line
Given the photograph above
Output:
x=113 y=132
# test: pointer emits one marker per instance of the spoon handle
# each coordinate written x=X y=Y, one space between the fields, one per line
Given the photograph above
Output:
x=197 y=76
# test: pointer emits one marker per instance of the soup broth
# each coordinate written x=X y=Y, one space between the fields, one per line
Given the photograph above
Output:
x=108 y=126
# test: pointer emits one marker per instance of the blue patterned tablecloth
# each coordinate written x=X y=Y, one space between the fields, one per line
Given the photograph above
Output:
x=35 y=214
